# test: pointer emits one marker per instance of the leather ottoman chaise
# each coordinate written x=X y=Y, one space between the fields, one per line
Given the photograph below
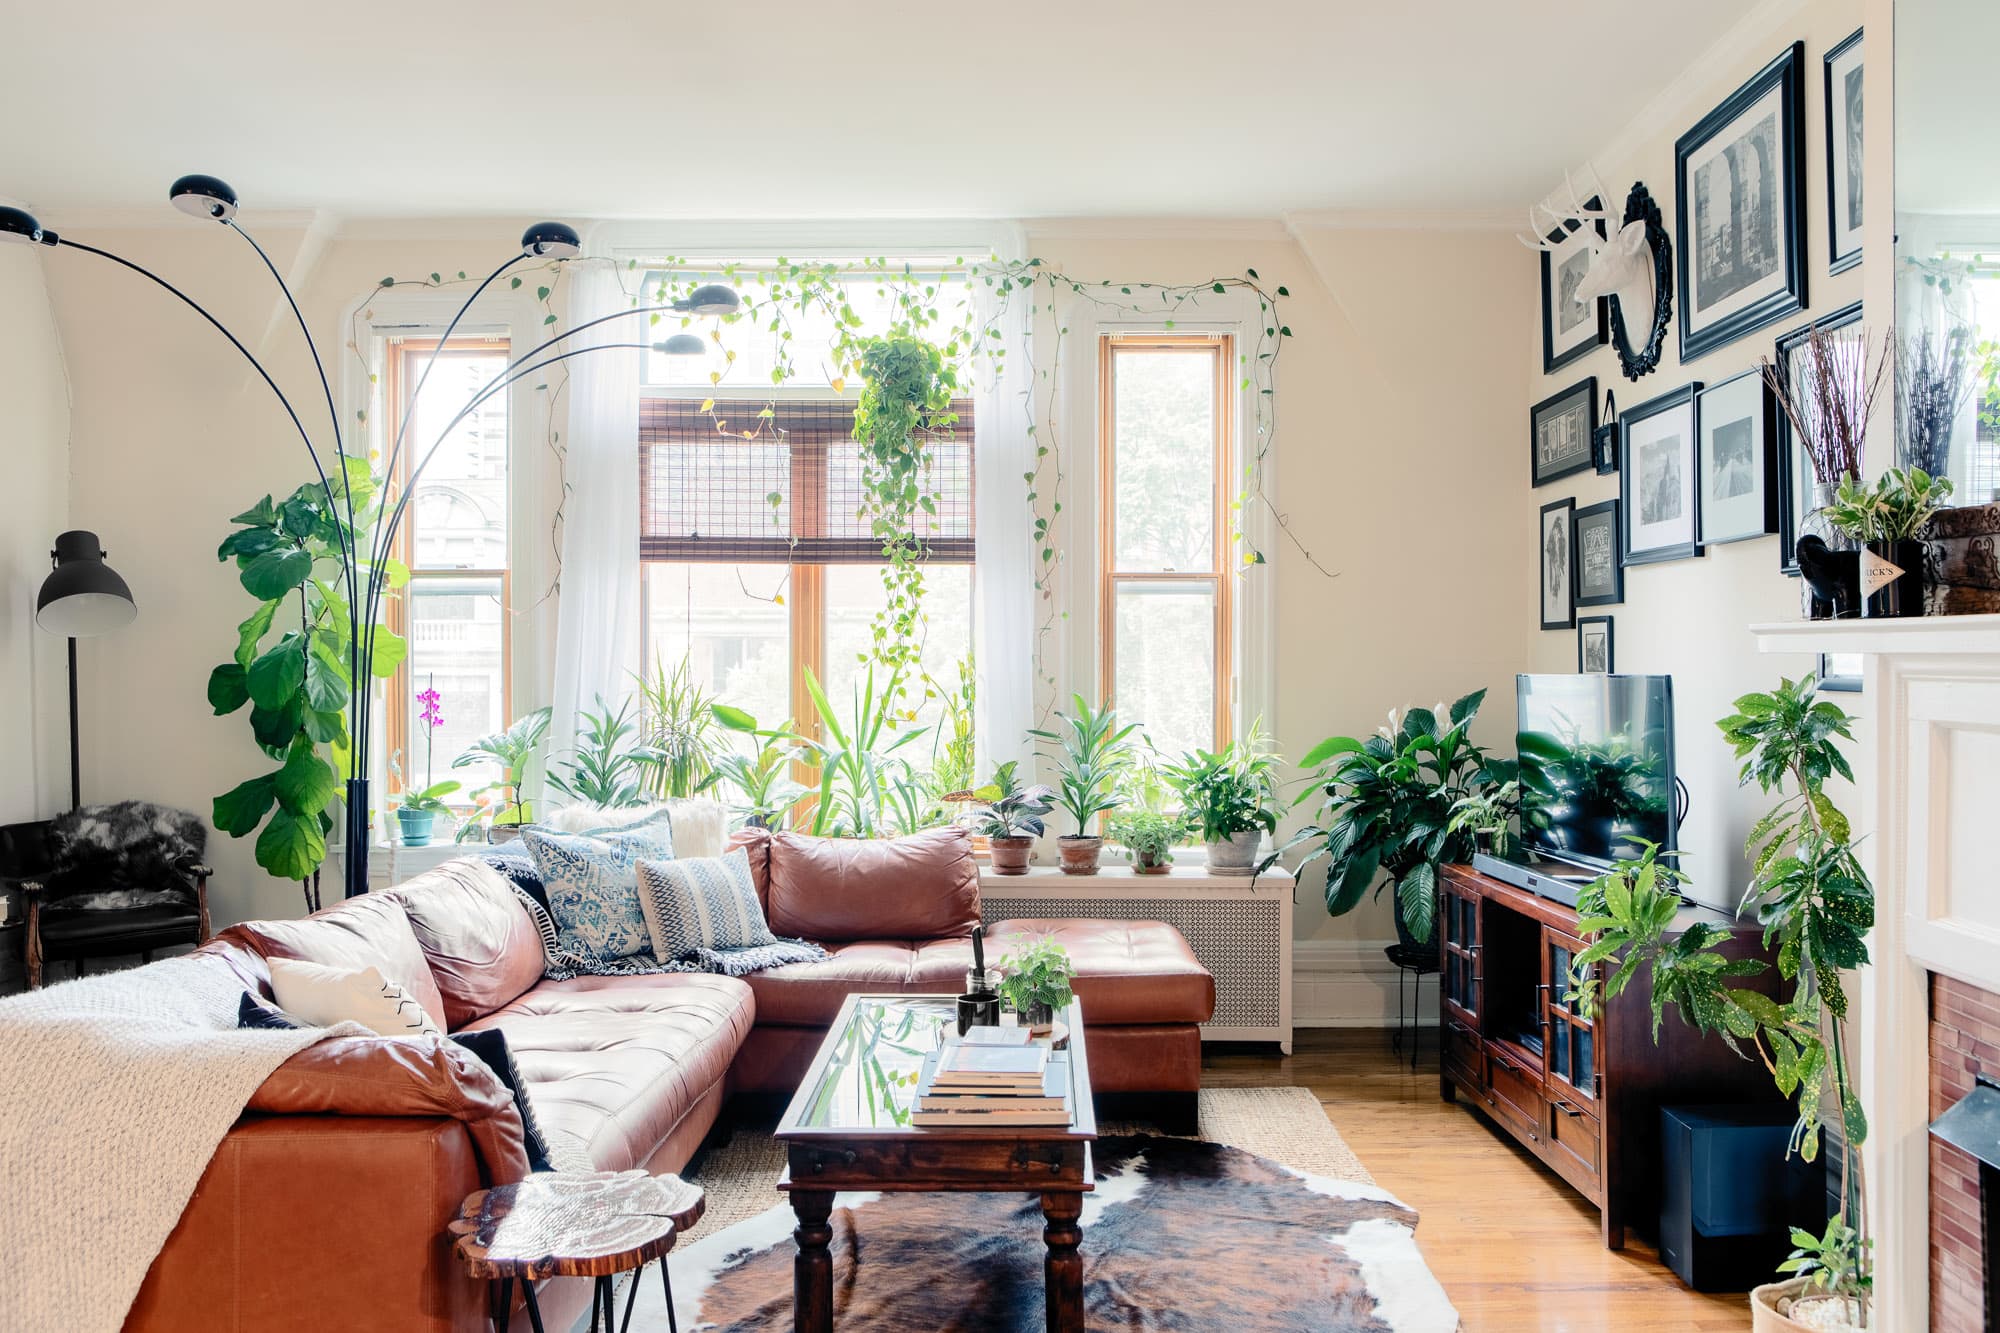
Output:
x=326 y=1206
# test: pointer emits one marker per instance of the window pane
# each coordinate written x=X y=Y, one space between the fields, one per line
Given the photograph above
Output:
x=854 y=594
x=459 y=512
x=727 y=620
x=1165 y=661
x=1164 y=461
x=457 y=647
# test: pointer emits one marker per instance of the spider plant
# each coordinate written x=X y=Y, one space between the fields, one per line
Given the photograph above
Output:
x=681 y=747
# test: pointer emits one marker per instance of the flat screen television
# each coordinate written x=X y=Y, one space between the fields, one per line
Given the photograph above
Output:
x=1597 y=766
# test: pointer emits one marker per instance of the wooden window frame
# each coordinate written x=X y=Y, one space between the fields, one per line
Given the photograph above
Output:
x=1221 y=347
x=402 y=365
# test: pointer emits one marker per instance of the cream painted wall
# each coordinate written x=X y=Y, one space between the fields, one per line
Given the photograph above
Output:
x=1689 y=619
x=34 y=507
x=1388 y=482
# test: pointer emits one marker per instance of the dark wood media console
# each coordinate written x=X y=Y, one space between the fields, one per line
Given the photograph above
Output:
x=1584 y=1096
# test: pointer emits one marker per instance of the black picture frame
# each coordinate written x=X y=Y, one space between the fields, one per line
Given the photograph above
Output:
x=1759 y=517
x=1560 y=551
x=1840 y=672
x=1844 y=129
x=1558 y=407
x=1585 y=527
x=1553 y=360
x=1641 y=358
x=1787 y=182
x=1684 y=399
x=1584 y=626
x=1792 y=473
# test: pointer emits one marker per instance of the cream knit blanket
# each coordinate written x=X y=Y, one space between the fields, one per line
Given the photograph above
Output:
x=114 y=1092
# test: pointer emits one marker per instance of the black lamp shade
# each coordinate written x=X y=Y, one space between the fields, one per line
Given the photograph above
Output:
x=20 y=226
x=204 y=197
x=710 y=299
x=551 y=240
x=681 y=344
x=83 y=597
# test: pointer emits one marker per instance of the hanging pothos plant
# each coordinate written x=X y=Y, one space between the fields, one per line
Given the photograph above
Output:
x=288 y=555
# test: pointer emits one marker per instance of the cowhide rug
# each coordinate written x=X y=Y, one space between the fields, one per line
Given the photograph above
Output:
x=1179 y=1235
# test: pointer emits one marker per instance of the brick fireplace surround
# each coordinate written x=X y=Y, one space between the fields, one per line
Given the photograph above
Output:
x=1964 y=1040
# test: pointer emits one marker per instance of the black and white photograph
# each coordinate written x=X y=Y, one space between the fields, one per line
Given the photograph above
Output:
x=1560 y=429
x=1593 y=646
x=1558 y=566
x=1736 y=459
x=1600 y=571
x=1740 y=191
x=1795 y=474
x=1570 y=328
x=1657 y=478
x=1843 y=154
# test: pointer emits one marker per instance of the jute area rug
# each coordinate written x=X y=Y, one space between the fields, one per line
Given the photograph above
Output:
x=1267 y=1221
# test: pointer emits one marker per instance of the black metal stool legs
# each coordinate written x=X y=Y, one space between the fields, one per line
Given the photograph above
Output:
x=632 y=1298
x=501 y=1291
x=534 y=1306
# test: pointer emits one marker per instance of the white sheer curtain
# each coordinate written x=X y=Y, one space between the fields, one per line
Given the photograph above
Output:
x=597 y=606
x=1004 y=596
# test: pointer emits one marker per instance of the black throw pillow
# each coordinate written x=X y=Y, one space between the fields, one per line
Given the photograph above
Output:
x=490 y=1045
x=252 y=1012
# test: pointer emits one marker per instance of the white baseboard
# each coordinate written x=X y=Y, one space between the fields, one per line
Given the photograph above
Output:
x=1351 y=984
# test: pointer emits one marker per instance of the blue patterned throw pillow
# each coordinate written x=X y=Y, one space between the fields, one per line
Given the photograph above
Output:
x=702 y=903
x=592 y=884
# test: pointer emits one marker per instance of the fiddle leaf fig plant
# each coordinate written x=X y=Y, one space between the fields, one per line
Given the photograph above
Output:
x=290 y=665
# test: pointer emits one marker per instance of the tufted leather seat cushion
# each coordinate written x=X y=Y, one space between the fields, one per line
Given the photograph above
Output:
x=810 y=994
x=479 y=940
x=1136 y=972
x=613 y=1064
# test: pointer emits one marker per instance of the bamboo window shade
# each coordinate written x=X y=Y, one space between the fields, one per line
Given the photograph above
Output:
x=707 y=494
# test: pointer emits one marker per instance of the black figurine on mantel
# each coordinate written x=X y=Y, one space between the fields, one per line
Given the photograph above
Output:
x=1834 y=577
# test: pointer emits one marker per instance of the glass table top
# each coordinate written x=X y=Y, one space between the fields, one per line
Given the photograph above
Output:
x=869 y=1080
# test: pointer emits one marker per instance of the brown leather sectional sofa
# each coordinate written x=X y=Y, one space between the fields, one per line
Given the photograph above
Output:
x=325 y=1206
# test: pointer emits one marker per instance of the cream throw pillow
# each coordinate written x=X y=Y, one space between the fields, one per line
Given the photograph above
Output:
x=322 y=996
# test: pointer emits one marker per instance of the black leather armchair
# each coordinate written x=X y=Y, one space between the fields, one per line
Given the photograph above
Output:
x=68 y=917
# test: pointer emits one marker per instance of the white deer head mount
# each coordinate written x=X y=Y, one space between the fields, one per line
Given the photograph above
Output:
x=1624 y=264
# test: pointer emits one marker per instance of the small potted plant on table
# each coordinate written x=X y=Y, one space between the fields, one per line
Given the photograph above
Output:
x=417 y=810
x=1093 y=752
x=1011 y=818
x=1231 y=798
x=1035 y=981
x=1886 y=518
x=512 y=750
x=1488 y=816
x=1150 y=836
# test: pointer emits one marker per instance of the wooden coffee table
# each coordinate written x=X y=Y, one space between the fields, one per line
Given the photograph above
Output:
x=848 y=1129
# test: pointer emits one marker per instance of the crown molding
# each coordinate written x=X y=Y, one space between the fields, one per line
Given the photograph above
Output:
x=1157 y=229
x=164 y=216
x=1398 y=219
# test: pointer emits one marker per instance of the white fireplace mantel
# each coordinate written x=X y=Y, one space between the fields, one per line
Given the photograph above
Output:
x=1928 y=771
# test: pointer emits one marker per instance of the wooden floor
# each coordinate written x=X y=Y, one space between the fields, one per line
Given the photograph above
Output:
x=1514 y=1246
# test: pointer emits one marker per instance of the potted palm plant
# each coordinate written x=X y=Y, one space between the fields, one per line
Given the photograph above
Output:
x=1231 y=798
x=605 y=767
x=1009 y=817
x=511 y=751
x=1386 y=807
x=1092 y=753
x=762 y=777
x=1035 y=981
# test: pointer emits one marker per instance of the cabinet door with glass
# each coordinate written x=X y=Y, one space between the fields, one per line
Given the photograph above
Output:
x=1570 y=1039
x=1459 y=958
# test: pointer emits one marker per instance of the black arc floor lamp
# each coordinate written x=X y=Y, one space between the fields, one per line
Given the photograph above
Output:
x=80 y=599
x=365 y=572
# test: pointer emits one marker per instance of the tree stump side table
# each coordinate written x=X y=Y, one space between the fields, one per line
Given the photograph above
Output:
x=595 y=1225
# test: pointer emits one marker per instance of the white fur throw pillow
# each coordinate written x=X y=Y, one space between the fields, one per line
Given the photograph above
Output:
x=322 y=996
x=701 y=826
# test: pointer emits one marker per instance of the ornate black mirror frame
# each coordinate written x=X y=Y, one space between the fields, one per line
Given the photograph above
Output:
x=1639 y=206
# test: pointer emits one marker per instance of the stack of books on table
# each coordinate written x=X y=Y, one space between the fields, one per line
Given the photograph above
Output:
x=970 y=1083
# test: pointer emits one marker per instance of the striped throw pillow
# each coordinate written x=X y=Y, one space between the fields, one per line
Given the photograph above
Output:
x=702 y=902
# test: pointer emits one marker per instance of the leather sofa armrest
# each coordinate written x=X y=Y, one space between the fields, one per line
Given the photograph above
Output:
x=320 y=1221
x=393 y=1076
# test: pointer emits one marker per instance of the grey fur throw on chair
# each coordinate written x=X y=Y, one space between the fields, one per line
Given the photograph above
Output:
x=127 y=855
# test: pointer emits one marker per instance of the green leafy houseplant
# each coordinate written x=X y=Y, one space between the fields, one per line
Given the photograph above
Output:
x=763 y=776
x=1035 y=980
x=856 y=760
x=1009 y=817
x=1092 y=752
x=1488 y=816
x=1229 y=793
x=1386 y=805
x=605 y=767
x=1894 y=509
x=1150 y=836
x=512 y=751
x=1816 y=905
x=678 y=749
x=297 y=685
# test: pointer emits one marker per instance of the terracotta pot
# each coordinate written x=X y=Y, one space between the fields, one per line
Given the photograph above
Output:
x=1764 y=1316
x=1080 y=853
x=1237 y=855
x=1150 y=865
x=1010 y=855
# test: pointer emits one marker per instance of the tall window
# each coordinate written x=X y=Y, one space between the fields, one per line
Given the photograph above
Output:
x=454 y=540
x=1164 y=598
x=756 y=563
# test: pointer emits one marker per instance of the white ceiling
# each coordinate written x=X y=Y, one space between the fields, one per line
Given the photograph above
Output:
x=782 y=108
